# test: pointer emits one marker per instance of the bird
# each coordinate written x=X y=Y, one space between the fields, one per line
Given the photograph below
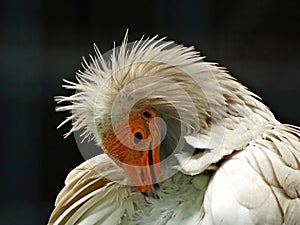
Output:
x=183 y=143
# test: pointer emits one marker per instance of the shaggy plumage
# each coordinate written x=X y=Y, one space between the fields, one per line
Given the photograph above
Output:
x=248 y=169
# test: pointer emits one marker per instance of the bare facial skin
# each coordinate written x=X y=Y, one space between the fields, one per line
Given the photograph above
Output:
x=138 y=151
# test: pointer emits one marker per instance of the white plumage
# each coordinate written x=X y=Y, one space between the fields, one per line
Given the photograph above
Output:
x=246 y=170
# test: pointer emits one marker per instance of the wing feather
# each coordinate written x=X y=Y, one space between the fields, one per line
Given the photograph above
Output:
x=89 y=197
x=262 y=182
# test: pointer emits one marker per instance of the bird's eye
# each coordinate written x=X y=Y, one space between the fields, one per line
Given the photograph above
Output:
x=137 y=137
x=146 y=114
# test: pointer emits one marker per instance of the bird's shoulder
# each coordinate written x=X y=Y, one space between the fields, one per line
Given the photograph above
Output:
x=261 y=184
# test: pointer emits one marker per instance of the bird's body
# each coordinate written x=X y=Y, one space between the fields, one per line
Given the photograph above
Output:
x=113 y=203
x=245 y=169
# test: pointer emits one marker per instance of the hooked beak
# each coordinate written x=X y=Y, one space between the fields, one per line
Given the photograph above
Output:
x=147 y=174
x=137 y=151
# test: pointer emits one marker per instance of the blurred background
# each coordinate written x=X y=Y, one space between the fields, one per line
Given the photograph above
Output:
x=42 y=41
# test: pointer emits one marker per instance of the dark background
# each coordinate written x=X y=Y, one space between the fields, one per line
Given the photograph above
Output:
x=42 y=41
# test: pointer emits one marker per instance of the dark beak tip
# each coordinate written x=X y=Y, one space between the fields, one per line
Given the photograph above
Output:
x=151 y=193
x=145 y=193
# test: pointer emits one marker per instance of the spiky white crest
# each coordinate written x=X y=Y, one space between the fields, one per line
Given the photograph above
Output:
x=175 y=81
x=107 y=75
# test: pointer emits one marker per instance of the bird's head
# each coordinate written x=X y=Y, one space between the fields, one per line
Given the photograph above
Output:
x=134 y=144
x=142 y=114
x=143 y=102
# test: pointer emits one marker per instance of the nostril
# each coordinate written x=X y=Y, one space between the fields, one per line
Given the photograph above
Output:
x=137 y=137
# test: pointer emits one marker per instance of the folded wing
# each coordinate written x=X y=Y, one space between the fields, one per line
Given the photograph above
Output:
x=260 y=185
x=90 y=197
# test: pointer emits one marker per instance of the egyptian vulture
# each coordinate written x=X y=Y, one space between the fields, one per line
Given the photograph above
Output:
x=183 y=142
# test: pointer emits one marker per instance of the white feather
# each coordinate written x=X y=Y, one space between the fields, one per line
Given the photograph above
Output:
x=247 y=173
x=258 y=185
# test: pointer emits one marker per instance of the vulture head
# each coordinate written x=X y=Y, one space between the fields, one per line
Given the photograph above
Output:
x=155 y=107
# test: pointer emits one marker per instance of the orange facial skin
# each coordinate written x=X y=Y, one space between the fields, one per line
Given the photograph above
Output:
x=135 y=146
